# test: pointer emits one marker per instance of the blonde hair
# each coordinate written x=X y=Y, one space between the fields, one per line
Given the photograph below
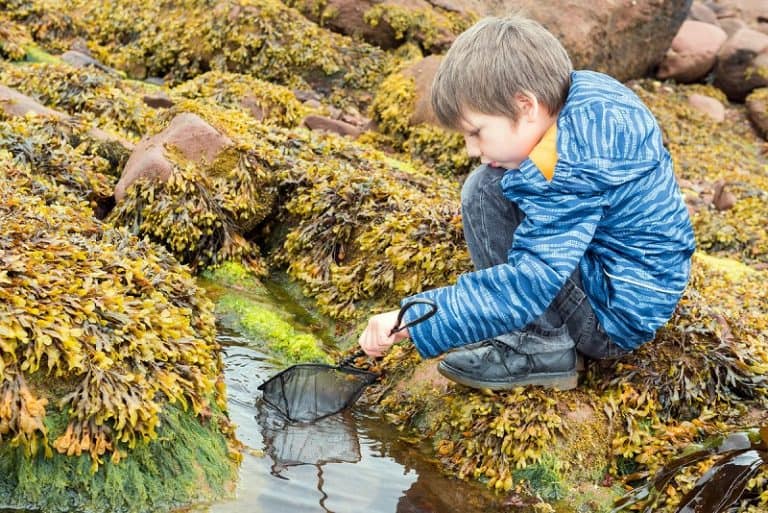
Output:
x=492 y=62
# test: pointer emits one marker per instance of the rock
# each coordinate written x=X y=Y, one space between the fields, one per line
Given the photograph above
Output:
x=712 y=107
x=753 y=12
x=723 y=9
x=693 y=52
x=423 y=72
x=757 y=110
x=722 y=199
x=701 y=12
x=603 y=35
x=78 y=59
x=192 y=137
x=336 y=126
x=81 y=45
x=158 y=100
x=352 y=17
x=732 y=25
x=14 y=103
x=738 y=64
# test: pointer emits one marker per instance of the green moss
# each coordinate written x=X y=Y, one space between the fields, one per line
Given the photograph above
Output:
x=233 y=274
x=279 y=335
x=544 y=478
x=189 y=461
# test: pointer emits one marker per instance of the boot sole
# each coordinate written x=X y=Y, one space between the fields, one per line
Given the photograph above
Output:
x=556 y=380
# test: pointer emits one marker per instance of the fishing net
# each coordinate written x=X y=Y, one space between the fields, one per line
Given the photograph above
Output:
x=310 y=391
x=307 y=392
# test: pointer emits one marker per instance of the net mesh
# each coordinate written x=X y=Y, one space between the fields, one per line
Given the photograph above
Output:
x=308 y=392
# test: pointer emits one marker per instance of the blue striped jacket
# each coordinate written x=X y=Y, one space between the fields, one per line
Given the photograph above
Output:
x=612 y=207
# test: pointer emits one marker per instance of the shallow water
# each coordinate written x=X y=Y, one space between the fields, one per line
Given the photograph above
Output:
x=350 y=462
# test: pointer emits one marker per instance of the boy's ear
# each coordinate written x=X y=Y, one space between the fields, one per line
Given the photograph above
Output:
x=528 y=105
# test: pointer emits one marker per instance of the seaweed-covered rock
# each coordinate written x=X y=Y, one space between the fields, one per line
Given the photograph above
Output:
x=189 y=136
x=266 y=102
x=262 y=38
x=116 y=105
x=204 y=209
x=742 y=63
x=14 y=39
x=109 y=374
x=757 y=107
x=391 y=23
x=704 y=153
x=404 y=120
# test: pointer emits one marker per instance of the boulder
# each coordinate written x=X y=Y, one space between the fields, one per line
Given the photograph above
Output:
x=13 y=103
x=712 y=107
x=337 y=126
x=192 y=137
x=158 y=100
x=603 y=35
x=757 y=110
x=732 y=25
x=701 y=12
x=693 y=52
x=742 y=64
x=423 y=72
x=381 y=23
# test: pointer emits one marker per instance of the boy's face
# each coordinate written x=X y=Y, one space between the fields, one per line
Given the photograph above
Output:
x=501 y=142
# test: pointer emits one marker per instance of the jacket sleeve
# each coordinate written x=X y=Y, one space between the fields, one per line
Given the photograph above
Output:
x=484 y=304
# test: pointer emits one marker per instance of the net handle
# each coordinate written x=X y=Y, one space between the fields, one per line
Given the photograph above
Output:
x=347 y=362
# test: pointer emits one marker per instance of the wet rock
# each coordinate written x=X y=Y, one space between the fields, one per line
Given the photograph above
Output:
x=158 y=100
x=712 y=107
x=423 y=72
x=722 y=198
x=192 y=137
x=701 y=12
x=314 y=122
x=757 y=110
x=693 y=52
x=14 y=103
x=741 y=64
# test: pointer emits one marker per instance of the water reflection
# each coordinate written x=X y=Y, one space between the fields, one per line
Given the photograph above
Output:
x=345 y=463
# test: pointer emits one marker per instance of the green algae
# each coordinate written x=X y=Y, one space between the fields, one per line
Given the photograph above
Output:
x=234 y=275
x=109 y=365
x=280 y=337
x=189 y=461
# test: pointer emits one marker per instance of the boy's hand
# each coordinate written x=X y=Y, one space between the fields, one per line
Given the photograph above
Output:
x=376 y=339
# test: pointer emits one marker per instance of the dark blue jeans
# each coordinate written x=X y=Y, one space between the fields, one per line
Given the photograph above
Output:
x=490 y=221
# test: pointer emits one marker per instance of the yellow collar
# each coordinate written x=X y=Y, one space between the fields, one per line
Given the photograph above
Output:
x=544 y=154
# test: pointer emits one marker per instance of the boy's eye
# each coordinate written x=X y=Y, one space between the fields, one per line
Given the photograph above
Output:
x=474 y=133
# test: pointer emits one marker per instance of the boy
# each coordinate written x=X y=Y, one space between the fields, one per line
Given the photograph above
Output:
x=574 y=221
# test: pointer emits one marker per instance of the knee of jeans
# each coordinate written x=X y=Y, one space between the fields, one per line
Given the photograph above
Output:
x=476 y=182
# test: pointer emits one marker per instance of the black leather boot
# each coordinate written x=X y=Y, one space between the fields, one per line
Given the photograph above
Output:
x=517 y=359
